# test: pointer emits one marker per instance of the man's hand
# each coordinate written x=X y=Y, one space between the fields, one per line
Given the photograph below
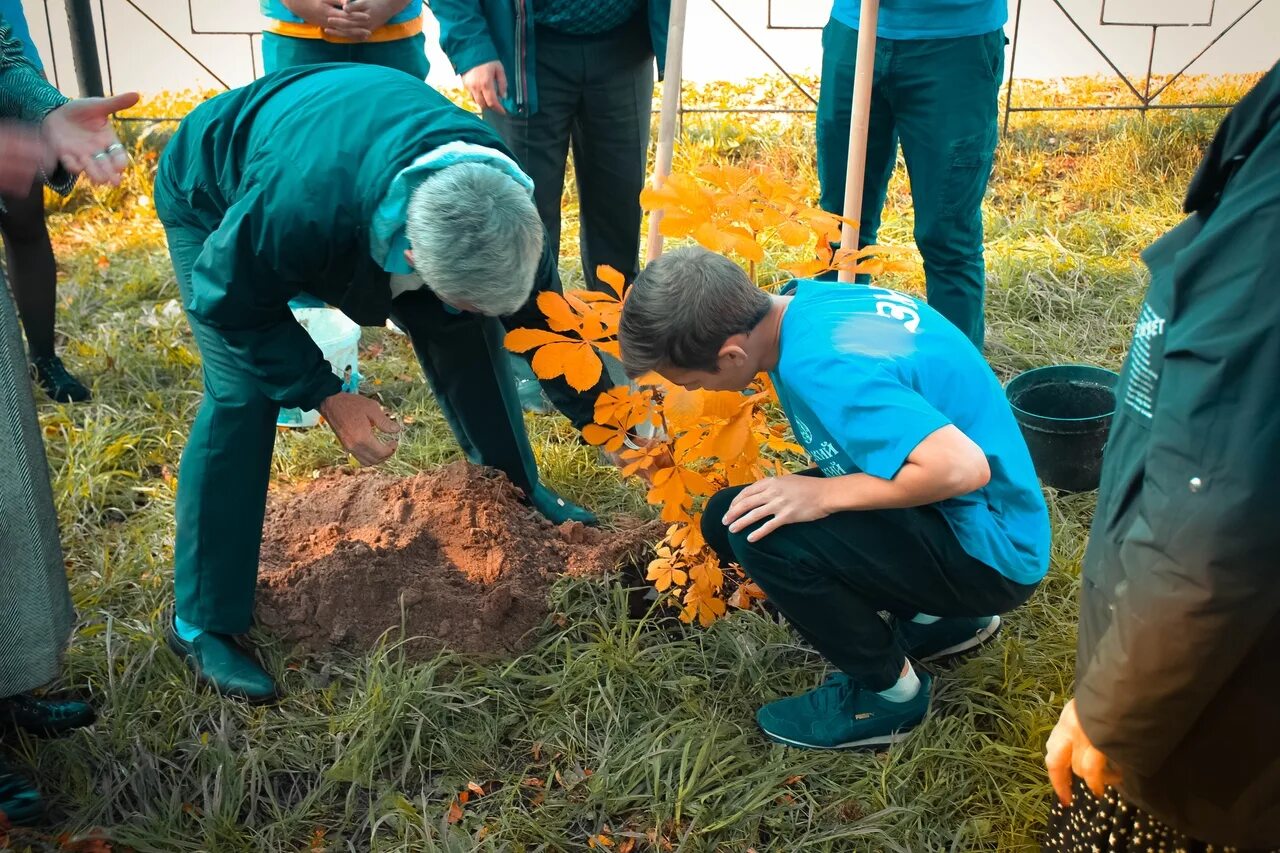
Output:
x=1069 y=751
x=315 y=12
x=788 y=499
x=80 y=136
x=487 y=84
x=356 y=421
x=20 y=153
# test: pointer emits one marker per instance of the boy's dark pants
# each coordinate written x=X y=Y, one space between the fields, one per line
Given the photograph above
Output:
x=831 y=578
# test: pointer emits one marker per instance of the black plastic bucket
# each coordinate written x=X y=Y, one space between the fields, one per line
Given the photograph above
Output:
x=1065 y=413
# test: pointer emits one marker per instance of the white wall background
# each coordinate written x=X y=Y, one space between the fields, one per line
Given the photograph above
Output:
x=141 y=57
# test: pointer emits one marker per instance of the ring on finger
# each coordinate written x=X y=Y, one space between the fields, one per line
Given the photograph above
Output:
x=113 y=147
x=101 y=155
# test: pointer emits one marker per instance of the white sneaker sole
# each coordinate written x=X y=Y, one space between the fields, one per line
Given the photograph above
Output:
x=865 y=743
x=979 y=637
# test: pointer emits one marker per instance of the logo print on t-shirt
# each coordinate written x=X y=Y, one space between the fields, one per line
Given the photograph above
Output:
x=805 y=434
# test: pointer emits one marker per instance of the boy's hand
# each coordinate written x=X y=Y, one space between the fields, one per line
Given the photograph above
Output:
x=788 y=499
x=357 y=422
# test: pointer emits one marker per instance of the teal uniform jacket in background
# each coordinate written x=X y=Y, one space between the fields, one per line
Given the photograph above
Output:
x=473 y=32
x=12 y=13
x=267 y=192
x=938 y=69
x=407 y=53
x=1178 y=666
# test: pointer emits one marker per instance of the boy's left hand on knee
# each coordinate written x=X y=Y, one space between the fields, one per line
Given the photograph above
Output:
x=782 y=500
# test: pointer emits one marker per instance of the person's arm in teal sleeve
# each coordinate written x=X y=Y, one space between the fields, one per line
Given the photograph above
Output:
x=24 y=94
x=241 y=286
x=464 y=33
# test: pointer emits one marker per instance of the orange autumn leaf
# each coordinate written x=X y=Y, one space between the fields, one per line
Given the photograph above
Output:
x=523 y=340
x=665 y=573
x=611 y=438
x=794 y=234
x=611 y=277
x=560 y=315
x=455 y=812
x=576 y=361
x=475 y=788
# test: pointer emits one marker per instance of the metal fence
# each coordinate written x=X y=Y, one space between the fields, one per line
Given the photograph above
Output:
x=1146 y=91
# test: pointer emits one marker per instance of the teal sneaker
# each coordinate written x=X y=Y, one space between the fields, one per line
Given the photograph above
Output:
x=20 y=802
x=946 y=637
x=557 y=510
x=220 y=663
x=843 y=715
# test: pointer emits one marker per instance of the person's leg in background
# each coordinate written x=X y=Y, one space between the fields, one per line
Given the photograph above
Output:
x=221 y=503
x=946 y=99
x=34 y=276
x=465 y=363
x=830 y=578
x=36 y=614
x=835 y=103
x=540 y=143
x=610 y=153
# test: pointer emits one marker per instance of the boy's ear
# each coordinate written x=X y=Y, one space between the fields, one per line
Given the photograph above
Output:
x=734 y=350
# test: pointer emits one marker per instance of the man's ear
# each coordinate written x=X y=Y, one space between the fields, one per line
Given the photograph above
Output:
x=408 y=256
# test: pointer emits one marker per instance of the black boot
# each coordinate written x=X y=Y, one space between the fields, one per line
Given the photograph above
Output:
x=45 y=715
x=53 y=377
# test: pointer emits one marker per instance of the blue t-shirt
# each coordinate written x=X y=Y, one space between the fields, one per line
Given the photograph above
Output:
x=928 y=19
x=11 y=11
x=865 y=374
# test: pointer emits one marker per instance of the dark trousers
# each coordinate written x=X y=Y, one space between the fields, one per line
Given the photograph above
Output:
x=831 y=578
x=226 y=465
x=939 y=98
x=596 y=96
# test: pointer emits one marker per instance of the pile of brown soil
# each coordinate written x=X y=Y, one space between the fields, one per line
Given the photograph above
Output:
x=451 y=555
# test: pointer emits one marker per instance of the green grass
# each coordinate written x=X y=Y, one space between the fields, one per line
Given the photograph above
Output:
x=642 y=726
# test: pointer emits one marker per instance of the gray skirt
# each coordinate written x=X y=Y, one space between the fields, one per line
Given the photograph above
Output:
x=36 y=615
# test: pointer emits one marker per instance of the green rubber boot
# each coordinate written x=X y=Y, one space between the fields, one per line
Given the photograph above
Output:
x=557 y=510
x=220 y=663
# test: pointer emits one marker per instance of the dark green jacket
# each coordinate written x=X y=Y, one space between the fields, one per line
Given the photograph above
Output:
x=473 y=32
x=283 y=176
x=1178 y=669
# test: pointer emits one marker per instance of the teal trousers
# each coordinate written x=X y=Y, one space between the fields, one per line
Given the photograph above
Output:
x=408 y=54
x=939 y=99
x=226 y=465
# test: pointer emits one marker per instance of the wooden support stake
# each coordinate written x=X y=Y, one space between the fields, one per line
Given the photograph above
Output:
x=860 y=120
x=669 y=119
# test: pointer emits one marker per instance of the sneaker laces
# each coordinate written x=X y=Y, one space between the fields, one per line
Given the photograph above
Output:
x=835 y=694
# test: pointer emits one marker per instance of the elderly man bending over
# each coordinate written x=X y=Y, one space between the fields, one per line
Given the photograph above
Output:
x=363 y=187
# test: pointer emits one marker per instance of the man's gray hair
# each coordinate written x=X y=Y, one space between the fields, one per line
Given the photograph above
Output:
x=682 y=308
x=476 y=238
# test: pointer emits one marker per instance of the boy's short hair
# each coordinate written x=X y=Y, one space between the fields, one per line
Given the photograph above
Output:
x=682 y=308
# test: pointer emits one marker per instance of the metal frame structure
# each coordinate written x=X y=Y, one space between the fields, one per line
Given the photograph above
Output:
x=1145 y=97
